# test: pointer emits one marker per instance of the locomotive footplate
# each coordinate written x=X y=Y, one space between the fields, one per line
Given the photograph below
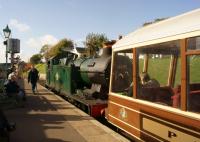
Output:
x=93 y=107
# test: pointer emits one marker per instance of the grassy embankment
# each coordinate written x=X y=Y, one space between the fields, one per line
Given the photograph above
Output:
x=41 y=68
x=159 y=70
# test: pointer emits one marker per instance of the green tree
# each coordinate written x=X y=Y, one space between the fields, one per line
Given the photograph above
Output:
x=155 y=21
x=36 y=59
x=94 y=42
x=44 y=48
x=58 y=48
x=44 y=51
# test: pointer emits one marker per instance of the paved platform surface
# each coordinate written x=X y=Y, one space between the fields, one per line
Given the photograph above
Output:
x=48 y=118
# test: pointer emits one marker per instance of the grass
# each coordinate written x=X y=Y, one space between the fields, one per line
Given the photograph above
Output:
x=41 y=68
x=194 y=63
x=159 y=70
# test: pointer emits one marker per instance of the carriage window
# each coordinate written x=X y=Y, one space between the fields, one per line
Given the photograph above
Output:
x=158 y=74
x=193 y=43
x=193 y=94
x=63 y=61
x=122 y=75
x=55 y=61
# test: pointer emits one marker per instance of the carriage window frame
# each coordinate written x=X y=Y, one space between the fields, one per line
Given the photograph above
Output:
x=193 y=44
x=170 y=75
x=188 y=51
x=128 y=89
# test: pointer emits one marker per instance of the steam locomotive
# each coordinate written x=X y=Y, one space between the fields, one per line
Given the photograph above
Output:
x=83 y=81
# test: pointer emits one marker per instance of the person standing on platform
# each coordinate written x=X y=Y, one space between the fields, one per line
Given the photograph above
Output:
x=33 y=77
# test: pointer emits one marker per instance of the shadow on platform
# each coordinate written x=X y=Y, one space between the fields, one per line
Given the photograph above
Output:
x=42 y=120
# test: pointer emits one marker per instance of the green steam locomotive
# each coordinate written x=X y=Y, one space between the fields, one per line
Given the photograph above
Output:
x=83 y=81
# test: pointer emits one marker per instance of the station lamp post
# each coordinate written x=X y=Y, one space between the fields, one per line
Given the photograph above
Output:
x=7 y=33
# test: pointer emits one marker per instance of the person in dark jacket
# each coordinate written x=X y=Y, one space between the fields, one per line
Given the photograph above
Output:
x=33 y=77
x=14 y=91
x=11 y=86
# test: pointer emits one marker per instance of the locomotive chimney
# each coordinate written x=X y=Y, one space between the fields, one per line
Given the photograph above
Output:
x=120 y=37
x=107 y=48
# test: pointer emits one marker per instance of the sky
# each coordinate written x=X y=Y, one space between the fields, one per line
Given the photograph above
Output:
x=39 y=22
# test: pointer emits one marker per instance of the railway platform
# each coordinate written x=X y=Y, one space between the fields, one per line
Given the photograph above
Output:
x=47 y=117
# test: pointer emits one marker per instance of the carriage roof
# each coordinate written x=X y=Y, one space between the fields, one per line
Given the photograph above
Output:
x=181 y=26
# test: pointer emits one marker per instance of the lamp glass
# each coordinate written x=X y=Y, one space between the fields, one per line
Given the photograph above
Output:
x=7 y=32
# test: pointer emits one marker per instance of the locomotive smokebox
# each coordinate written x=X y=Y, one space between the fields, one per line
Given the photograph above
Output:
x=97 y=70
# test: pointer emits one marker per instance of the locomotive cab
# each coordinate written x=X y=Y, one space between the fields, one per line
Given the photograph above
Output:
x=58 y=72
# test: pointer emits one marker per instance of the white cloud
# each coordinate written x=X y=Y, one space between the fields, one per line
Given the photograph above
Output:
x=29 y=47
x=33 y=45
x=48 y=39
x=22 y=27
x=24 y=57
x=80 y=42
x=40 y=41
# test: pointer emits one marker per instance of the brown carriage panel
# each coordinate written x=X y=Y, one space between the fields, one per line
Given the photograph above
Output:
x=121 y=113
x=127 y=128
x=164 y=114
x=125 y=102
x=163 y=130
x=172 y=117
x=132 y=130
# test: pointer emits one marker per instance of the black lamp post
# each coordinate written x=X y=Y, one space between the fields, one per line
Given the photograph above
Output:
x=7 y=33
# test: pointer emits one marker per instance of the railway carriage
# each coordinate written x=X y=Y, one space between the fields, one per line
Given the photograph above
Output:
x=169 y=52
